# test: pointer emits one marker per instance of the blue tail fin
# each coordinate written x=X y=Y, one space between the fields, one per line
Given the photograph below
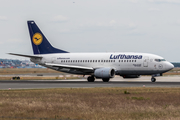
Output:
x=39 y=42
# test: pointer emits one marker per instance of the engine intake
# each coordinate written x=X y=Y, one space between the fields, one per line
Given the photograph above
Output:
x=104 y=73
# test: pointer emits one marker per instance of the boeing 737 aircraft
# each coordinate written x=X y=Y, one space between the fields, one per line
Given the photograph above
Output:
x=97 y=65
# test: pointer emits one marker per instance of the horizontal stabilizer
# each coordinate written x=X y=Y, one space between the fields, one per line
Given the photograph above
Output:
x=29 y=56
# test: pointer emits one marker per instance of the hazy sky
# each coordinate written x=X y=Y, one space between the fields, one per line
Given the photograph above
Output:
x=150 y=26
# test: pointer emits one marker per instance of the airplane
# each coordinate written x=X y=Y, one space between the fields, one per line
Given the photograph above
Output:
x=97 y=65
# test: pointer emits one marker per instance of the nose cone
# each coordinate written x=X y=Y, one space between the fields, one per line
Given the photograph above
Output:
x=169 y=66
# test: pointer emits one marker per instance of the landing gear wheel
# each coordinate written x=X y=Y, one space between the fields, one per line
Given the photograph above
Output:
x=91 y=79
x=153 y=79
x=105 y=79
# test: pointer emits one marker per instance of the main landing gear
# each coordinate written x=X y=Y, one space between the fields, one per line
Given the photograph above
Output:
x=105 y=79
x=153 y=79
x=91 y=79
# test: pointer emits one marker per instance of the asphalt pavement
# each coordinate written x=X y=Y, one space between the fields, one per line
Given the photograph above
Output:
x=144 y=81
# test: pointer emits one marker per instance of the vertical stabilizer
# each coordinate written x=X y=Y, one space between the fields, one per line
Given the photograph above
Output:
x=39 y=42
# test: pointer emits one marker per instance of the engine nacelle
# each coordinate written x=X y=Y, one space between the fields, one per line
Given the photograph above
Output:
x=130 y=76
x=104 y=73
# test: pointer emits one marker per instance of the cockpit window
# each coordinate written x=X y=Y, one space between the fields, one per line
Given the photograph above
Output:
x=159 y=60
x=163 y=60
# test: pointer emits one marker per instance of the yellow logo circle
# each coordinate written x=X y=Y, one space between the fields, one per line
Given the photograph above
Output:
x=37 y=38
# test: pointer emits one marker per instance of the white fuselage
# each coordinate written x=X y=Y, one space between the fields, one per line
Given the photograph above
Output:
x=124 y=63
x=98 y=65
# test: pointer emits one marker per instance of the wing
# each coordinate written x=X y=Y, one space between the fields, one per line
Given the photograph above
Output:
x=73 y=69
x=69 y=66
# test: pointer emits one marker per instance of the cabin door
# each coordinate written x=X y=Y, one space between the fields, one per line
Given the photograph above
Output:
x=145 y=61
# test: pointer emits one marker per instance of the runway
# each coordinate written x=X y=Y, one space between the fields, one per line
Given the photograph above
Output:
x=170 y=81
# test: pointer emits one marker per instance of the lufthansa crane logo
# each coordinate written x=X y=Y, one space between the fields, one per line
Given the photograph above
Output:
x=37 y=38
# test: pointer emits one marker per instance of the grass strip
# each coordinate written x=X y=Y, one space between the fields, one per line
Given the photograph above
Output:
x=91 y=103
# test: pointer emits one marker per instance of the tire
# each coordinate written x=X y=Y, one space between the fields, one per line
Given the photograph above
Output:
x=90 y=79
x=105 y=79
x=153 y=79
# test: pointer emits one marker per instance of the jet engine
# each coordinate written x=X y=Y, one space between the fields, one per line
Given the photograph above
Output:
x=104 y=73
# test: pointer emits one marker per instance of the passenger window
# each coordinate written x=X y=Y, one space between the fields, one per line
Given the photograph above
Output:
x=124 y=60
x=90 y=60
x=98 y=60
x=121 y=60
x=134 y=60
x=129 y=60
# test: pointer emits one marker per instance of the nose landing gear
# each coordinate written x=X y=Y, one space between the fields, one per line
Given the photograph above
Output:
x=153 y=79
